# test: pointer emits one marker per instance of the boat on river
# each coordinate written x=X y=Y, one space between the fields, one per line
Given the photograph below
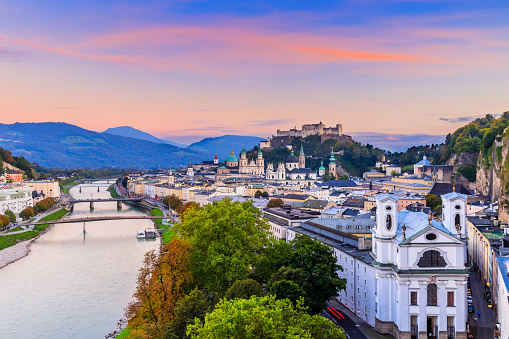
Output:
x=150 y=233
x=140 y=235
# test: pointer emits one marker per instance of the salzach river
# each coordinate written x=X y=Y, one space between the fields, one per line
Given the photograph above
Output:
x=71 y=287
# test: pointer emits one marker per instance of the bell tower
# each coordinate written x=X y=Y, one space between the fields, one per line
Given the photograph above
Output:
x=302 y=157
x=386 y=227
x=332 y=164
x=454 y=213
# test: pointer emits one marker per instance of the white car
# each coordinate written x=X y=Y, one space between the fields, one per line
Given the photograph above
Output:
x=469 y=299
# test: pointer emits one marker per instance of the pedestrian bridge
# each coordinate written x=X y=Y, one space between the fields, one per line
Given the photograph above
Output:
x=92 y=201
x=90 y=219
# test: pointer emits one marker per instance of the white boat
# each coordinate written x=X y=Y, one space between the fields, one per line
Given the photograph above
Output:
x=140 y=235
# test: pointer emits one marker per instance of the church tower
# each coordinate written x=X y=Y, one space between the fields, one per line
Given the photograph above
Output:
x=321 y=170
x=454 y=213
x=260 y=163
x=386 y=227
x=216 y=160
x=302 y=157
x=243 y=161
x=332 y=164
x=190 y=170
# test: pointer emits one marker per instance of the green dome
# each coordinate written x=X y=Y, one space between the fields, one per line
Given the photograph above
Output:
x=243 y=151
x=321 y=166
x=232 y=157
x=332 y=160
x=292 y=159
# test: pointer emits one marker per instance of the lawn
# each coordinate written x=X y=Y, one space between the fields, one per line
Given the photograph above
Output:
x=67 y=187
x=10 y=240
x=15 y=229
x=113 y=193
x=124 y=334
x=53 y=216
x=169 y=235
x=156 y=212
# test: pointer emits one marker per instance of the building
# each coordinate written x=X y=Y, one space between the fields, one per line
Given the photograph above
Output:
x=15 y=176
x=284 y=216
x=332 y=165
x=439 y=173
x=293 y=171
x=252 y=167
x=48 y=188
x=420 y=273
x=405 y=201
x=15 y=200
x=370 y=175
x=503 y=296
x=190 y=170
x=423 y=162
x=389 y=170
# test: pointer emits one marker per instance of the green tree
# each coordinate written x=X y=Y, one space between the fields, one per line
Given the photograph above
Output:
x=287 y=273
x=343 y=177
x=318 y=264
x=10 y=215
x=276 y=202
x=191 y=307
x=244 y=289
x=263 y=317
x=270 y=260
x=258 y=193
x=124 y=181
x=433 y=201
x=287 y=289
x=226 y=237
x=187 y=206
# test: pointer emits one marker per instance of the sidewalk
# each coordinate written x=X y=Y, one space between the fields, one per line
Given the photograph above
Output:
x=364 y=326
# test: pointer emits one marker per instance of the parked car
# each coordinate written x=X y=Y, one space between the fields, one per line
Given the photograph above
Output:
x=470 y=308
x=469 y=299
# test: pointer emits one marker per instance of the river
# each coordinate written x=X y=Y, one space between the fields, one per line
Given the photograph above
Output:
x=71 y=287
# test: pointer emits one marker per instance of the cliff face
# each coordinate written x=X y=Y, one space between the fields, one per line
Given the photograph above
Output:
x=493 y=176
x=466 y=164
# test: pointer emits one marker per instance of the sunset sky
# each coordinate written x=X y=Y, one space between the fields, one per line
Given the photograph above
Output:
x=191 y=69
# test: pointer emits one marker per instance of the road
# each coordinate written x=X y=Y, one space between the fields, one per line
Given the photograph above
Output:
x=341 y=319
x=486 y=322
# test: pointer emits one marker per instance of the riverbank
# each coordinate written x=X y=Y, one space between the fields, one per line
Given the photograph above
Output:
x=16 y=246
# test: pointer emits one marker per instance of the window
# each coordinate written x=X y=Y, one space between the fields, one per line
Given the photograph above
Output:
x=351 y=298
x=340 y=255
x=413 y=298
x=457 y=221
x=365 y=269
x=358 y=278
x=365 y=296
x=358 y=303
x=351 y=286
x=358 y=291
x=351 y=274
x=388 y=222
x=365 y=282
x=351 y=262
x=431 y=258
x=431 y=236
x=432 y=294
x=450 y=298
x=358 y=266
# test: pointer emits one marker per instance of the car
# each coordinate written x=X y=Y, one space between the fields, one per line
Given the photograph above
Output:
x=469 y=299
x=470 y=308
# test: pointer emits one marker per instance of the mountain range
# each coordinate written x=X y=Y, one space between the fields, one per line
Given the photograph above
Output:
x=130 y=132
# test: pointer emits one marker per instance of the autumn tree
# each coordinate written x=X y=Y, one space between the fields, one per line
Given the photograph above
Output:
x=188 y=205
x=318 y=264
x=263 y=317
x=27 y=213
x=226 y=237
x=5 y=220
x=162 y=282
x=244 y=289
x=173 y=202
x=276 y=202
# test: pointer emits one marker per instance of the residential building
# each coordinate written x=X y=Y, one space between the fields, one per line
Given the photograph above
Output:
x=48 y=188
x=503 y=296
x=15 y=199
x=15 y=176
x=280 y=218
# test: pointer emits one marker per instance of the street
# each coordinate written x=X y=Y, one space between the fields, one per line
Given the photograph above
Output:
x=486 y=322
x=341 y=319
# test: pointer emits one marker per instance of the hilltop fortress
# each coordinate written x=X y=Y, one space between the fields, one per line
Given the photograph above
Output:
x=284 y=138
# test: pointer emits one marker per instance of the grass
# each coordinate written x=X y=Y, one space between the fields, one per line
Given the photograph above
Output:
x=169 y=235
x=67 y=187
x=156 y=212
x=13 y=239
x=124 y=334
x=113 y=193
x=16 y=229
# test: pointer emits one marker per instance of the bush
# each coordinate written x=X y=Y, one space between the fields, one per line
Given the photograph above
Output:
x=244 y=289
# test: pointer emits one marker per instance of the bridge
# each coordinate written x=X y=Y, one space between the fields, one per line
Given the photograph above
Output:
x=92 y=201
x=90 y=219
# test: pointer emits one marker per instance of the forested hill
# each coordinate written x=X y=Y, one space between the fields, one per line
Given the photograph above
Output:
x=19 y=162
x=355 y=157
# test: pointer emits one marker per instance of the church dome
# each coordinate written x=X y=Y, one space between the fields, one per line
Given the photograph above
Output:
x=232 y=157
x=292 y=159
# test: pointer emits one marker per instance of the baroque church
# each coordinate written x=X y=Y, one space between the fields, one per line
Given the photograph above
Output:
x=293 y=171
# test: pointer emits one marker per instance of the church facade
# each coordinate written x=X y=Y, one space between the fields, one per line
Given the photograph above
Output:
x=293 y=171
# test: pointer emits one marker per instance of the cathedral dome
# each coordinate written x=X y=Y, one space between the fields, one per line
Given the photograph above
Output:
x=232 y=157
x=292 y=159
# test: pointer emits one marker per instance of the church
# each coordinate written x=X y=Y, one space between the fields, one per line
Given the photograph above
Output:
x=420 y=274
x=293 y=171
x=242 y=166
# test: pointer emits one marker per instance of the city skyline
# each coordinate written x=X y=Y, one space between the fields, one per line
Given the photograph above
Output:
x=185 y=70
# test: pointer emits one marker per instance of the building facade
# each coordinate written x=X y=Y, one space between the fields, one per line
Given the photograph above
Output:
x=15 y=200
x=48 y=188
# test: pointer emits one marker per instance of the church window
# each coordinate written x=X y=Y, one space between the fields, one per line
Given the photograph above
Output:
x=450 y=298
x=458 y=207
x=431 y=258
x=432 y=294
x=413 y=298
x=388 y=208
x=431 y=236
x=388 y=222
x=457 y=220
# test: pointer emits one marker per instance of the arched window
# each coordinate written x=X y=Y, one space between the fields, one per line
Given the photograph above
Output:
x=457 y=220
x=432 y=294
x=432 y=258
x=388 y=222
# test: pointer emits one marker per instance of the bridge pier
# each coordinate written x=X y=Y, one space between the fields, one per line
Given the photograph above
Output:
x=91 y=205
x=119 y=204
x=72 y=208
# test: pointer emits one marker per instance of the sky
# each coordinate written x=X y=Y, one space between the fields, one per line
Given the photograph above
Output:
x=185 y=70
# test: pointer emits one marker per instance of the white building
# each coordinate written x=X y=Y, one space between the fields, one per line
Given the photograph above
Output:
x=15 y=199
x=503 y=296
x=280 y=218
x=420 y=274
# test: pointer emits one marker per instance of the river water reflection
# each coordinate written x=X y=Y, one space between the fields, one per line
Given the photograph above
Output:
x=70 y=287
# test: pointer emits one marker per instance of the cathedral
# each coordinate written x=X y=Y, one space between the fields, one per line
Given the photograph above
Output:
x=293 y=171
x=242 y=166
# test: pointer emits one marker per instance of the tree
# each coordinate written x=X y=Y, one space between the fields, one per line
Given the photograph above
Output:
x=263 y=317
x=192 y=306
x=244 y=289
x=432 y=201
x=258 y=194
x=124 y=181
x=395 y=174
x=162 y=282
x=173 y=202
x=5 y=220
x=318 y=264
x=270 y=260
x=276 y=202
x=287 y=273
x=10 y=215
x=226 y=237
x=287 y=289
x=187 y=206
x=343 y=177
x=27 y=213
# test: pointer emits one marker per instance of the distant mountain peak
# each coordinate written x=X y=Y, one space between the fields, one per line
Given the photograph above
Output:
x=131 y=132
